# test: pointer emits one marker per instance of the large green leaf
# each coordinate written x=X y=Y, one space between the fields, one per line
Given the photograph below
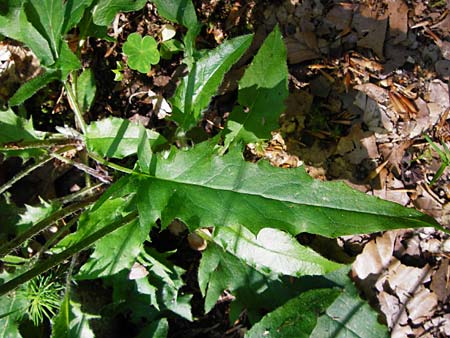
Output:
x=203 y=189
x=196 y=89
x=220 y=271
x=274 y=250
x=262 y=92
x=115 y=137
x=12 y=307
x=179 y=11
x=48 y=18
x=41 y=26
x=108 y=212
x=125 y=242
x=297 y=318
x=15 y=25
x=349 y=315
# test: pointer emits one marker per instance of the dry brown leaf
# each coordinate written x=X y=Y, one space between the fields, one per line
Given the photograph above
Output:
x=440 y=281
x=439 y=324
x=340 y=15
x=298 y=49
x=375 y=92
x=398 y=20
x=391 y=308
x=371 y=27
x=405 y=280
x=376 y=256
x=393 y=191
x=422 y=305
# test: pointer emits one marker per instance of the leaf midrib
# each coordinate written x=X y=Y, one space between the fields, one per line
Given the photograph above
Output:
x=274 y=198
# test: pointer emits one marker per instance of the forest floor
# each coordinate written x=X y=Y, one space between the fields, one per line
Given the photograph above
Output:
x=367 y=80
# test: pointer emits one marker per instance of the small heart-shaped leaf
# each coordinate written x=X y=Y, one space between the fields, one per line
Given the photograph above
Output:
x=141 y=52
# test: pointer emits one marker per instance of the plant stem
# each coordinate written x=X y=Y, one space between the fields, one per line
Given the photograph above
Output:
x=22 y=174
x=36 y=144
x=55 y=237
x=111 y=165
x=59 y=258
x=79 y=195
x=74 y=105
x=103 y=178
x=46 y=222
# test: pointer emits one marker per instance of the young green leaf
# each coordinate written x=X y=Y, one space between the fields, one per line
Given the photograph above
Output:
x=29 y=88
x=86 y=89
x=273 y=250
x=161 y=288
x=73 y=13
x=34 y=214
x=196 y=89
x=203 y=189
x=255 y=290
x=144 y=151
x=118 y=138
x=105 y=10
x=166 y=277
x=262 y=92
x=141 y=52
x=15 y=128
x=296 y=318
x=170 y=47
x=179 y=11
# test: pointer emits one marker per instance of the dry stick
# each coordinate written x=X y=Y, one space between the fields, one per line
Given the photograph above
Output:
x=59 y=258
x=46 y=222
